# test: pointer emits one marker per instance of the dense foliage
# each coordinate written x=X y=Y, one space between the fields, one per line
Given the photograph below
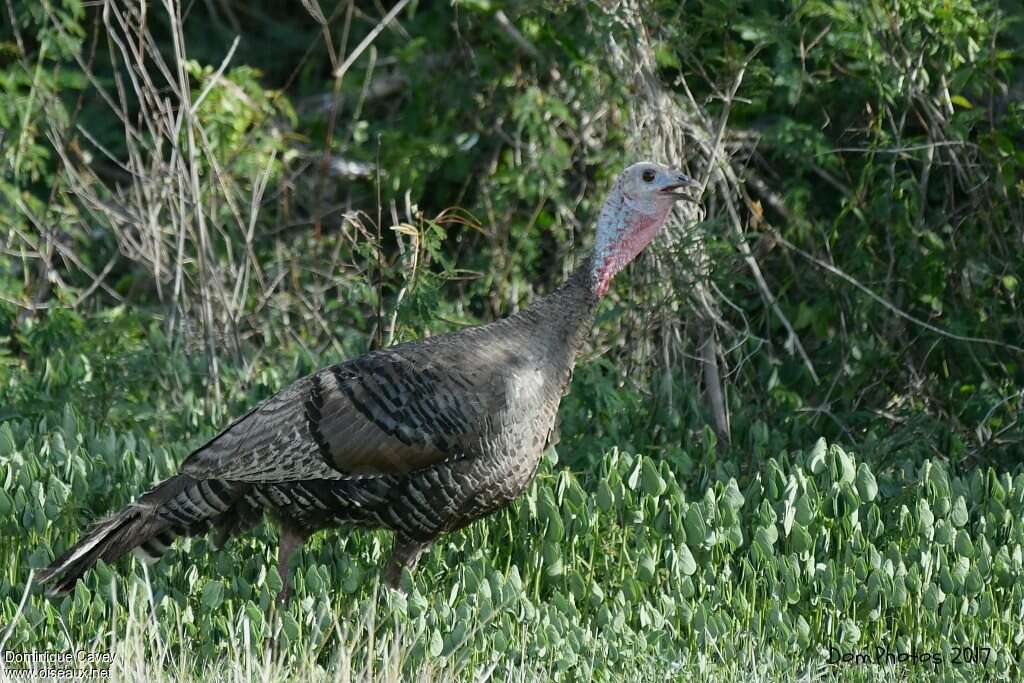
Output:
x=622 y=572
x=190 y=222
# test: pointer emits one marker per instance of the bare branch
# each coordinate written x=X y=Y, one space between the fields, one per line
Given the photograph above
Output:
x=340 y=72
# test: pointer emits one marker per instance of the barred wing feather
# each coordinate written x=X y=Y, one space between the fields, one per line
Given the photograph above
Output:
x=389 y=412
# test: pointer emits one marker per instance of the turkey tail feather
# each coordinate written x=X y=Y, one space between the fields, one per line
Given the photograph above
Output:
x=108 y=540
x=179 y=506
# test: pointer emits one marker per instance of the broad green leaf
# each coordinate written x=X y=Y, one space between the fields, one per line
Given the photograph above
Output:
x=925 y=518
x=686 y=562
x=605 y=499
x=816 y=458
x=213 y=595
x=696 y=531
x=732 y=496
x=867 y=487
x=843 y=464
x=932 y=597
x=653 y=484
x=964 y=545
x=436 y=643
x=646 y=569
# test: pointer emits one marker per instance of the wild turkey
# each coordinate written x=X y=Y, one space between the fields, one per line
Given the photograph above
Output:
x=421 y=438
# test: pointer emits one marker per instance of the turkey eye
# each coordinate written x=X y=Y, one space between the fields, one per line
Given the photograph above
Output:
x=648 y=176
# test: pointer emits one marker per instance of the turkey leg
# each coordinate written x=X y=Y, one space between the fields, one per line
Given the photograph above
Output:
x=405 y=554
x=290 y=540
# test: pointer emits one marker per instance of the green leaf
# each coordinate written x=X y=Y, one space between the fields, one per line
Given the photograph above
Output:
x=961 y=101
x=964 y=545
x=646 y=569
x=899 y=592
x=515 y=580
x=274 y=583
x=605 y=499
x=804 y=512
x=973 y=583
x=7 y=446
x=686 y=562
x=553 y=560
x=816 y=458
x=575 y=495
x=696 y=530
x=665 y=56
x=436 y=643
x=764 y=544
x=290 y=627
x=845 y=472
x=213 y=595
x=867 y=487
x=653 y=484
x=932 y=597
x=958 y=515
x=547 y=508
x=255 y=615
x=925 y=518
x=849 y=633
x=634 y=476
x=555 y=529
x=732 y=496
x=799 y=539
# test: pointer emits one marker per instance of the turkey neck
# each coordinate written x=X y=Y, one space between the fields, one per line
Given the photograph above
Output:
x=564 y=317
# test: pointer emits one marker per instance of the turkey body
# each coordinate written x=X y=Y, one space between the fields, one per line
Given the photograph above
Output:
x=421 y=438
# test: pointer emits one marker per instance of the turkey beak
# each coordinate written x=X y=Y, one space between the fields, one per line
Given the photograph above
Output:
x=685 y=188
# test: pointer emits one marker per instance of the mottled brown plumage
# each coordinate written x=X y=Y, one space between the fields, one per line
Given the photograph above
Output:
x=420 y=438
